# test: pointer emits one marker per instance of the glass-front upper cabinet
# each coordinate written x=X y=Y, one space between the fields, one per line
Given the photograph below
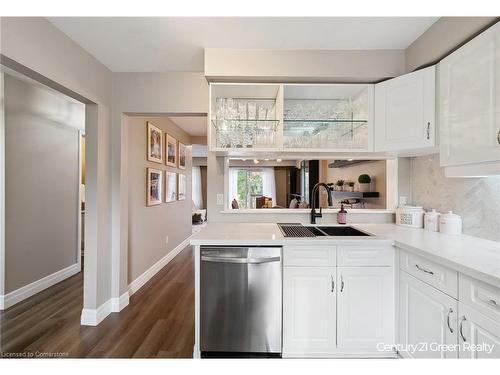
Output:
x=245 y=116
x=290 y=117
x=328 y=117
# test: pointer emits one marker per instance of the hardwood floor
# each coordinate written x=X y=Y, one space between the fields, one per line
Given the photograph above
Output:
x=158 y=322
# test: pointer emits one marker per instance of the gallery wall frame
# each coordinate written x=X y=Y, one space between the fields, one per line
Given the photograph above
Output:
x=171 y=151
x=154 y=186
x=154 y=143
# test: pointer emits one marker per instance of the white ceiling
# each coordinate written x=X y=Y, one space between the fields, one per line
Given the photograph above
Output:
x=193 y=125
x=160 y=44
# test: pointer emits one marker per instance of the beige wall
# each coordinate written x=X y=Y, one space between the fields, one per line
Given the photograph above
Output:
x=42 y=181
x=441 y=38
x=302 y=65
x=149 y=94
x=377 y=171
x=47 y=54
x=149 y=226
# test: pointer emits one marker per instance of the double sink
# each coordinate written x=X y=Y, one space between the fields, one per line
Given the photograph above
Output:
x=299 y=230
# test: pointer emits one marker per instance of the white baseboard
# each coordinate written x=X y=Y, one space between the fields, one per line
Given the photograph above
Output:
x=18 y=295
x=138 y=283
x=118 y=304
x=92 y=317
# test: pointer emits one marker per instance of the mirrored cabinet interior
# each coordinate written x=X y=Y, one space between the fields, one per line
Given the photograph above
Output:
x=328 y=117
x=244 y=116
x=289 y=117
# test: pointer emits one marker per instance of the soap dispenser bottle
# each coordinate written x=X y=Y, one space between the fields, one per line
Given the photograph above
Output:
x=342 y=215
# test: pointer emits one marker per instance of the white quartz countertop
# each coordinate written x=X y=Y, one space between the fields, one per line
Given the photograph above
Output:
x=471 y=255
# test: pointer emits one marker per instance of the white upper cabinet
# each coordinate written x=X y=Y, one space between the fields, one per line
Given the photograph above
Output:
x=469 y=102
x=328 y=117
x=405 y=112
x=251 y=117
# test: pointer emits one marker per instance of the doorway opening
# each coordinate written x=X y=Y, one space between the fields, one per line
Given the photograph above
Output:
x=43 y=178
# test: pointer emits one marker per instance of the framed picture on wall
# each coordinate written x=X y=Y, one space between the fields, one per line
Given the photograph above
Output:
x=154 y=186
x=155 y=143
x=182 y=156
x=170 y=186
x=182 y=187
x=171 y=151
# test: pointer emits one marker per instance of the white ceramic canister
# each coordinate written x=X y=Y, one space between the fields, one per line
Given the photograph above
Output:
x=431 y=221
x=410 y=216
x=450 y=223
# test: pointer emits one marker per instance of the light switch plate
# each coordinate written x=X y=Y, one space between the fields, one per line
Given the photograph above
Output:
x=220 y=199
x=402 y=200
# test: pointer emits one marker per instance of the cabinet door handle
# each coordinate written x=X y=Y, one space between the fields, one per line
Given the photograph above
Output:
x=498 y=137
x=450 y=311
x=341 y=283
x=428 y=130
x=333 y=283
x=461 y=327
x=423 y=269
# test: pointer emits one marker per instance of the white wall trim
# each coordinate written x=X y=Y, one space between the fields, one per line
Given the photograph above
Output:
x=35 y=287
x=118 y=304
x=138 y=283
x=92 y=317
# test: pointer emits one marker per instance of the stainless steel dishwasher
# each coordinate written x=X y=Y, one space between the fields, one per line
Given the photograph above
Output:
x=241 y=301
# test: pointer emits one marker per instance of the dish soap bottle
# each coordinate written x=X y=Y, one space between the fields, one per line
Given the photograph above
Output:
x=342 y=215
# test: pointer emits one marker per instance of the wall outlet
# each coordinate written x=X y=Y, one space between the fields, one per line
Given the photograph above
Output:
x=402 y=200
x=166 y=240
x=220 y=199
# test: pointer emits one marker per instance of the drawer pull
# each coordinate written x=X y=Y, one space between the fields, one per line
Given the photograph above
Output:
x=424 y=270
x=450 y=311
x=461 y=327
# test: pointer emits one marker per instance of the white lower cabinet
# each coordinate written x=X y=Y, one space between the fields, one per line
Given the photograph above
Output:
x=479 y=335
x=365 y=307
x=309 y=311
x=427 y=320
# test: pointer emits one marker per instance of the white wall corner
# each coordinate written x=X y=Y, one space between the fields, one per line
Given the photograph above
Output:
x=138 y=283
x=35 y=287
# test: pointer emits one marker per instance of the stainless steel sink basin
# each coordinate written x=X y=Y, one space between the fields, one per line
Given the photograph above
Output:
x=298 y=230
x=340 y=231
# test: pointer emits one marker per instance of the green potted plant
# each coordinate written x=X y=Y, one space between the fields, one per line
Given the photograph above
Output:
x=340 y=184
x=364 y=181
x=350 y=185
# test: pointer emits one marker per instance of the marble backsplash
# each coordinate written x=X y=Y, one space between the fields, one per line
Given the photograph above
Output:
x=477 y=200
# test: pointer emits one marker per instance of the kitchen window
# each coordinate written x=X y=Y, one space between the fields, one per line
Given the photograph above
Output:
x=247 y=185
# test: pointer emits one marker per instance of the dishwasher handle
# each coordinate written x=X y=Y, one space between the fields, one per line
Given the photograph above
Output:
x=240 y=260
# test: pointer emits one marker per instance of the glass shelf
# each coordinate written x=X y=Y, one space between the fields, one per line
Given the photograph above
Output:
x=220 y=123
x=245 y=133
x=325 y=133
